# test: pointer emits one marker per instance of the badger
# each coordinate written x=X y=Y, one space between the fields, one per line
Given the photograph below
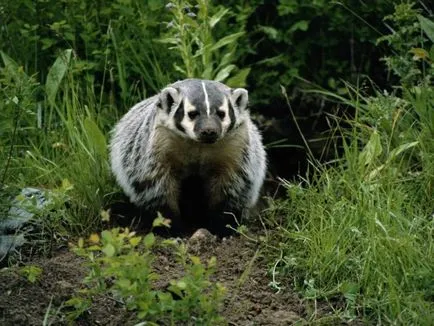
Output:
x=191 y=152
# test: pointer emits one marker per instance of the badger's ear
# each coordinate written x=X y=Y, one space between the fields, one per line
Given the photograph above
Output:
x=240 y=98
x=168 y=97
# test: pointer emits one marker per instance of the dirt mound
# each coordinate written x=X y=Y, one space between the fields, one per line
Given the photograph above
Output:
x=249 y=301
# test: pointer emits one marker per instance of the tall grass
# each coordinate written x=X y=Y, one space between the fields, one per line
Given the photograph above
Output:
x=60 y=142
x=56 y=131
x=361 y=228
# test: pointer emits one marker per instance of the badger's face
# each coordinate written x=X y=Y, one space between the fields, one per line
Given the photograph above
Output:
x=202 y=110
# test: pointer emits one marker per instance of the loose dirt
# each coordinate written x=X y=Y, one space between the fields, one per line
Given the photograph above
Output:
x=249 y=300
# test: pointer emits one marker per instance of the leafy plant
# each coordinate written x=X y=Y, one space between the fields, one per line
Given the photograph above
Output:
x=359 y=228
x=321 y=42
x=192 y=33
x=412 y=42
x=120 y=265
x=31 y=272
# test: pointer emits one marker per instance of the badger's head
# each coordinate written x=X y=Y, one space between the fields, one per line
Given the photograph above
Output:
x=202 y=110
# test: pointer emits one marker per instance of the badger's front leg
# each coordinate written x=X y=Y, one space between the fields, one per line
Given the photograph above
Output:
x=159 y=195
x=228 y=203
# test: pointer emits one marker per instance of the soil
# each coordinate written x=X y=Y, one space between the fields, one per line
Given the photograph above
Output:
x=241 y=269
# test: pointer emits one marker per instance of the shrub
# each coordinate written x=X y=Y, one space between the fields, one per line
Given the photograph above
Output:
x=121 y=266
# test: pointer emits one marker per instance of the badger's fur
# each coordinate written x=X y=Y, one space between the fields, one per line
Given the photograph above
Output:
x=191 y=146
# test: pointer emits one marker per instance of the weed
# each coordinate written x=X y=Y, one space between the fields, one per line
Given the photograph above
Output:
x=121 y=265
x=409 y=39
x=359 y=227
x=191 y=32
x=31 y=272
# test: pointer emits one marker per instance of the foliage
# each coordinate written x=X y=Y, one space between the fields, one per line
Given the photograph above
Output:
x=31 y=272
x=361 y=226
x=18 y=112
x=268 y=42
x=357 y=229
x=107 y=37
x=413 y=52
x=49 y=140
x=322 y=42
x=120 y=265
x=190 y=32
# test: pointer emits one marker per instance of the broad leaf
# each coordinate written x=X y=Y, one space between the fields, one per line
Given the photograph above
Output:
x=218 y=16
x=11 y=66
x=427 y=26
x=226 y=40
x=224 y=73
x=56 y=74
x=95 y=137
x=239 y=79
x=372 y=150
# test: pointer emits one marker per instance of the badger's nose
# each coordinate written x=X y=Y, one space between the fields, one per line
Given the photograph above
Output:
x=208 y=136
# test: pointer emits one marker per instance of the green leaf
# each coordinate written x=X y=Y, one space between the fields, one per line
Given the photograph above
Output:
x=107 y=236
x=217 y=17
x=109 y=250
x=224 y=73
x=134 y=241
x=271 y=32
x=123 y=283
x=239 y=79
x=226 y=40
x=419 y=54
x=427 y=26
x=155 y=4
x=212 y=262
x=149 y=240
x=31 y=272
x=402 y=148
x=301 y=25
x=207 y=73
x=181 y=285
x=56 y=74
x=372 y=149
x=195 y=260
x=11 y=66
x=160 y=220
x=95 y=137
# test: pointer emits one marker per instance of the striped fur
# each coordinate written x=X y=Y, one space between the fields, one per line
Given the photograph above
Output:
x=191 y=128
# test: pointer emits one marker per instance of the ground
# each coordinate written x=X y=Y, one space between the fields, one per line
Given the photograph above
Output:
x=241 y=269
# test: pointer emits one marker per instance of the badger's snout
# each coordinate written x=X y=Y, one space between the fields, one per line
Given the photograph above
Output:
x=208 y=130
x=208 y=136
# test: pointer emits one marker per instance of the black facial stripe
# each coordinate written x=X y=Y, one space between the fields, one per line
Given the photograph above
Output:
x=179 y=115
x=231 y=116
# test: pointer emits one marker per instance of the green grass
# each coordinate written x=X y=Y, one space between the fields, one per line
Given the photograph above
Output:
x=361 y=228
x=58 y=143
x=358 y=229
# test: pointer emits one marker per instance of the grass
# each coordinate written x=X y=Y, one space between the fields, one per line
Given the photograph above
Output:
x=361 y=228
x=357 y=230
x=60 y=143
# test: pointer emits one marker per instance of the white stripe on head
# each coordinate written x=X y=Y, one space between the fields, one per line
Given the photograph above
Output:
x=206 y=99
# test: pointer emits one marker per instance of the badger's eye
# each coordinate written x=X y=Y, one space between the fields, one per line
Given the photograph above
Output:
x=193 y=114
x=221 y=114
